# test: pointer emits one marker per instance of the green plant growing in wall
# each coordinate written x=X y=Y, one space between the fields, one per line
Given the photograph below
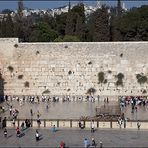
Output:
x=144 y=91
x=10 y=68
x=109 y=71
x=37 y=52
x=120 y=77
x=20 y=76
x=26 y=84
x=70 y=72
x=91 y=91
x=46 y=91
x=101 y=77
x=141 y=78
x=89 y=63
x=15 y=45
x=121 y=55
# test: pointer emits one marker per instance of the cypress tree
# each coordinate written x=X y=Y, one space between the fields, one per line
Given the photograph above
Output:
x=9 y=26
x=3 y=28
x=102 y=29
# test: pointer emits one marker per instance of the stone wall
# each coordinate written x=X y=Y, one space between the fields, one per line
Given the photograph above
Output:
x=72 y=68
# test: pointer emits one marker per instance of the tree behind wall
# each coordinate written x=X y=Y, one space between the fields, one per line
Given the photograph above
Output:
x=9 y=26
x=102 y=29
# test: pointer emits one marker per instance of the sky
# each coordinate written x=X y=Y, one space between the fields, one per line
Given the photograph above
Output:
x=6 y=4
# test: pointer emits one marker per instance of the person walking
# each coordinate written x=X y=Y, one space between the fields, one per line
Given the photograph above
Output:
x=62 y=144
x=138 y=125
x=17 y=131
x=93 y=143
x=92 y=127
x=37 y=135
x=31 y=112
x=85 y=142
x=22 y=126
x=101 y=144
x=5 y=132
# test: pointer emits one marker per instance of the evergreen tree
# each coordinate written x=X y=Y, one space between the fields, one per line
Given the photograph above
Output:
x=61 y=23
x=102 y=30
x=76 y=22
x=80 y=24
x=70 y=24
x=9 y=26
x=3 y=28
x=18 y=28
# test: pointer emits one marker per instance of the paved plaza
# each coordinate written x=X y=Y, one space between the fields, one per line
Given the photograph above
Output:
x=69 y=110
x=74 y=138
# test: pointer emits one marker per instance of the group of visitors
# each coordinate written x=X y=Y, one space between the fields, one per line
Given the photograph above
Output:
x=93 y=143
x=62 y=144
x=45 y=98
x=134 y=101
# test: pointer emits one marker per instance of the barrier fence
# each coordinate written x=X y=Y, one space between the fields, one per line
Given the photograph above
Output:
x=73 y=123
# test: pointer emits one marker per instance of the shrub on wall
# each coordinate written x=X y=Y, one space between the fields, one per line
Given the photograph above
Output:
x=141 y=78
x=10 y=68
x=15 y=45
x=26 y=84
x=89 y=63
x=109 y=71
x=20 y=76
x=144 y=91
x=46 y=91
x=119 y=81
x=70 y=72
x=91 y=91
x=101 y=77
x=37 y=52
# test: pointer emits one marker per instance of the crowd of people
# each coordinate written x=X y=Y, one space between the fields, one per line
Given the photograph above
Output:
x=134 y=101
x=47 y=98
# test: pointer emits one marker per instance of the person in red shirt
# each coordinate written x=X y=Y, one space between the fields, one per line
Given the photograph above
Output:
x=17 y=131
x=62 y=144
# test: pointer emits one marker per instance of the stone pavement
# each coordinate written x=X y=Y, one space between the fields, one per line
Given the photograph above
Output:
x=74 y=138
x=57 y=110
x=70 y=110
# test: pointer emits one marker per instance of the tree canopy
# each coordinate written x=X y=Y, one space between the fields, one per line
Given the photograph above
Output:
x=102 y=25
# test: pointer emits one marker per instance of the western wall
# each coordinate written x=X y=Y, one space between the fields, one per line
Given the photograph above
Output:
x=72 y=68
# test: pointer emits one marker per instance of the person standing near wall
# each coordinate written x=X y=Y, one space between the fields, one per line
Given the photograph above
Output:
x=92 y=127
x=138 y=125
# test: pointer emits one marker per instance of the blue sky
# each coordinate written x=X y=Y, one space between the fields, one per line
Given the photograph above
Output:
x=53 y=4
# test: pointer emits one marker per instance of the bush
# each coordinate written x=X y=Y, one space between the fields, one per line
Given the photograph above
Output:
x=91 y=91
x=119 y=81
x=109 y=71
x=89 y=63
x=101 y=77
x=120 y=76
x=144 y=91
x=141 y=78
x=46 y=91
x=70 y=72
x=10 y=68
x=15 y=45
x=20 y=76
x=26 y=84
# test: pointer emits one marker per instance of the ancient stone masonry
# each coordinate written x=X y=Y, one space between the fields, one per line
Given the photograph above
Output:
x=74 y=68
